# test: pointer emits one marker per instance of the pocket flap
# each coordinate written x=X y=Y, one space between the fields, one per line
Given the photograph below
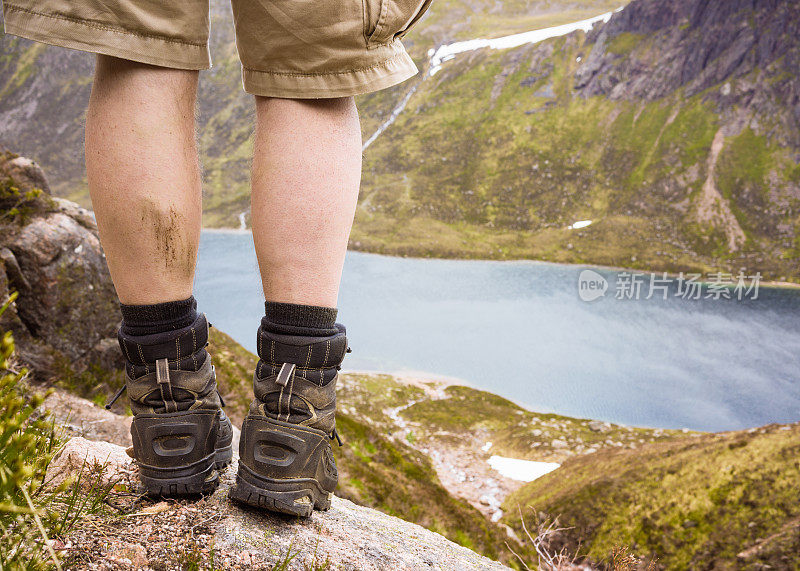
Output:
x=394 y=18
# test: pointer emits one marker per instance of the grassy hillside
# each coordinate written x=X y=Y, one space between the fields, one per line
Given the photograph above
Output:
x=498 y=153
x=712 y=501
x=458 y=410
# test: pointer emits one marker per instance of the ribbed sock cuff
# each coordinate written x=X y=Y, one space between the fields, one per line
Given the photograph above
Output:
x=158 y=317
x=297 y=319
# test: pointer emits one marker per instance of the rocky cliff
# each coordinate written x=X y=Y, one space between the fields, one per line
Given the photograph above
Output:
x=66 y=316
x=739 y=60
x=697 y=45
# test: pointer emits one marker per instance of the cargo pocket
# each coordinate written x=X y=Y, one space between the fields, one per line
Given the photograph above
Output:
x=387 y=20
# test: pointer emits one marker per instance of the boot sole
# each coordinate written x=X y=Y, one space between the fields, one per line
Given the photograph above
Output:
x=181 y=478
x=197 y=479
x=223 y=456
x=293 y=496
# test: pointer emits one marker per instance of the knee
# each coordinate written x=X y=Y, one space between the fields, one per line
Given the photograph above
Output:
x=110 y=65
x=323 y=105
x=124 y=73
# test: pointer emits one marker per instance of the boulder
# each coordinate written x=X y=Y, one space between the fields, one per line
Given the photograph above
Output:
x=94 y=463
x=25 y=172
x=216 y=532
x=599 y=426
x=78 y=213
x=70 y=302
x=80 y=417
x=351 y=537
x=66 y=314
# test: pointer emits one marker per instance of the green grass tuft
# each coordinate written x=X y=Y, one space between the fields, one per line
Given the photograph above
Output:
x=624 y=43
x=31 y=511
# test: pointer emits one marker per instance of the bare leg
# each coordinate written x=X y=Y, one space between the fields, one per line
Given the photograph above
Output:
x=306 y=174
x=144 y=180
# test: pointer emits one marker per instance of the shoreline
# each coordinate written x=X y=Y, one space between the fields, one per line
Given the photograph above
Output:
x=773 y=284
x=424 y=380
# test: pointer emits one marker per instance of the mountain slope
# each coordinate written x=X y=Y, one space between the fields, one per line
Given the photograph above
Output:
x=673 y=128
x=712 y=501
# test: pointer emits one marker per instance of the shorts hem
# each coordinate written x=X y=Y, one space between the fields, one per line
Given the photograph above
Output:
x=85 y=36
x=298 y=85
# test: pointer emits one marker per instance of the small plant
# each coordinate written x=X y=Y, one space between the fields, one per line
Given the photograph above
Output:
x=191 y=558
x=26 y=448
x=283 y=563
x=291 y=554
x=621 y=559
x=549 y=559
x=15 y=204
x=31 y=512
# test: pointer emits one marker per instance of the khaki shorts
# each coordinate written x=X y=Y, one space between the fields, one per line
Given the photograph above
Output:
x=288 y=48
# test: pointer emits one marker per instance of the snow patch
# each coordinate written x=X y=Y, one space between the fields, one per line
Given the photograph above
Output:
x=446 y=52
x=521 y=470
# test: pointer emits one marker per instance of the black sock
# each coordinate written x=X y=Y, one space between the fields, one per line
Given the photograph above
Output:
x=295 y=319
x=139 y=320
x=172 y=330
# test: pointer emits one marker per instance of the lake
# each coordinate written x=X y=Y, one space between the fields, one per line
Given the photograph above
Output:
x=523 y=331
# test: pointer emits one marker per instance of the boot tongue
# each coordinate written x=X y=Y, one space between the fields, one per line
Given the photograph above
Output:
x=165 y=386
x=299 y=402
x=166 y=389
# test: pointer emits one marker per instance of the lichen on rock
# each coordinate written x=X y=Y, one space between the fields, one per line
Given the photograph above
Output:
x=66 y=313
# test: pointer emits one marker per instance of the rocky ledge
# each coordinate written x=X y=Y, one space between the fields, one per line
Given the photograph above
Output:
x=215 y=533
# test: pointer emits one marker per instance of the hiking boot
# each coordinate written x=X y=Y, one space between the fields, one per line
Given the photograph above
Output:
x=181 y=435
x=285 y=459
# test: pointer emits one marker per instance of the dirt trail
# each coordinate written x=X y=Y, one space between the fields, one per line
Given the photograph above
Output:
x=712 y=206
